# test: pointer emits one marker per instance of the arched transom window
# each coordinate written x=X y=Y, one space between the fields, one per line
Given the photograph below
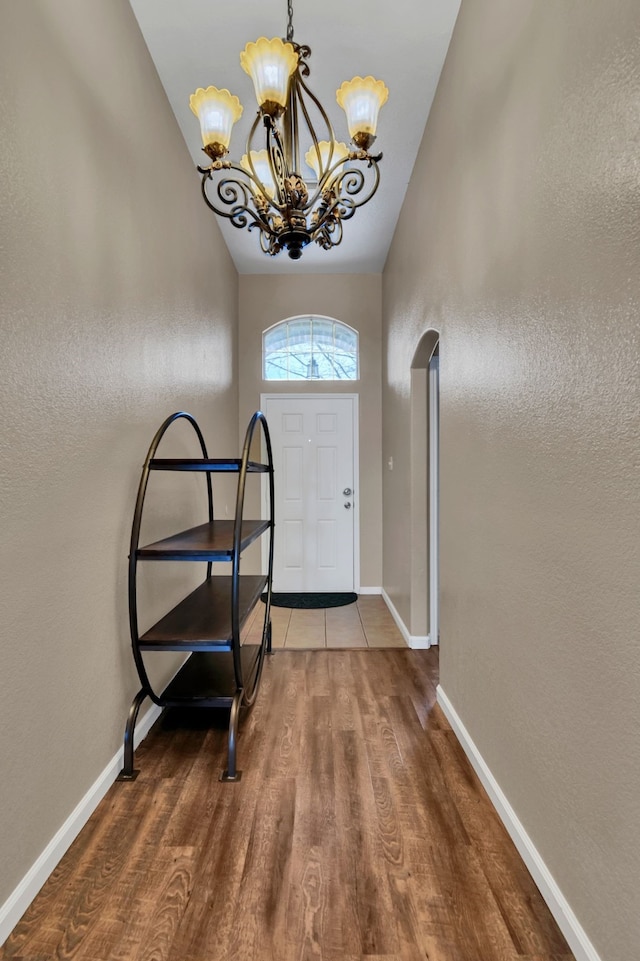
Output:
x=310 y=348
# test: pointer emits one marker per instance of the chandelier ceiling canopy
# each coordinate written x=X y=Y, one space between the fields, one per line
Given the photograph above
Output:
x=291 y=199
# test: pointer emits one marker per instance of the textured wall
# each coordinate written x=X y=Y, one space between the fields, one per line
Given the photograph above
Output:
x=118 y=306
x=520 y=242
x=354 y=299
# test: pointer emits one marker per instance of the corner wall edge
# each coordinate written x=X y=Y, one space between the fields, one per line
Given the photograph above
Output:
x=415 y=642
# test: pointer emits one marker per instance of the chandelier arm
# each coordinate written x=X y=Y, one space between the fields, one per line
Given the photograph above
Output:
x=325 y=238
x=304 y=52
x=230 y=192
x=253 y=129
x=352 y=182
x=277 y=164
x=290 y=126
x=323 y=114
x=250 y=147
x=321 y=110
x=252 y=175
x=337 y=206
x=327 y=180
x=269 y=244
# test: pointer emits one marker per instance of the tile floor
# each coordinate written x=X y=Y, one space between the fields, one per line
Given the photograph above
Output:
x=366 y=623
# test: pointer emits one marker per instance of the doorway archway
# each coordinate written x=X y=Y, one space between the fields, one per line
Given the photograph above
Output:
x=424 y=610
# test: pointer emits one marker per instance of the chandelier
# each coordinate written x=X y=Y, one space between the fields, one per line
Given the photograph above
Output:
x=268 y=189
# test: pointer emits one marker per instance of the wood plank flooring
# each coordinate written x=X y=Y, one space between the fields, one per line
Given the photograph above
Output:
x=359 y=832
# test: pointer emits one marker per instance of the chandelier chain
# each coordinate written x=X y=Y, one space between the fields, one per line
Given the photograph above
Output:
x=290 y=22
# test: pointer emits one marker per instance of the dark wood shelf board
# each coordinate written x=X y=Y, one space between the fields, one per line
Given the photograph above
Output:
x=208 y=680
x=202 y=620
x=207 y=542
x=213 y=465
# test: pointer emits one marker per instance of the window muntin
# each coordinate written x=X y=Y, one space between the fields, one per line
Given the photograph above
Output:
x=310 y=348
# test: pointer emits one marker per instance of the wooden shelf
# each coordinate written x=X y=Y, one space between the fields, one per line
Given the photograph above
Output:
x=220 y=671
x=202 y=620
x=207 y=542
x=208 y=680
x=214 y=465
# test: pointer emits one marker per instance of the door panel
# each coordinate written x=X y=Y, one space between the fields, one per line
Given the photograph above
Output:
x=326 y=469
x=292 y=473
x=327 y=545
x=313 y=453
x=292 y=545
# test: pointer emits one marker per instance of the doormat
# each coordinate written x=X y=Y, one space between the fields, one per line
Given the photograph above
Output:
x=311 y=601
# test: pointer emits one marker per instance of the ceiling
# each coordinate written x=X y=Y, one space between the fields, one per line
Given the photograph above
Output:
x=195 y=43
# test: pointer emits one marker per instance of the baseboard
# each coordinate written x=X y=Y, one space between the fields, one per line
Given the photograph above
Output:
x=560 y=908
x=369 y=590
x=418 y=643
x=18 y=902
x=415 y=641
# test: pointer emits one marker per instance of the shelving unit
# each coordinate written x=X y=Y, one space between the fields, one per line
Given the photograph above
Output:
x=206 y=624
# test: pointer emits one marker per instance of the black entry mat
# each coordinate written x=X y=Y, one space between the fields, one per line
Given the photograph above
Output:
x=311 y=601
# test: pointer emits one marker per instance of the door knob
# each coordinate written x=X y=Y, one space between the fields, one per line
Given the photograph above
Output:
x=347 y=491
x=347 y=505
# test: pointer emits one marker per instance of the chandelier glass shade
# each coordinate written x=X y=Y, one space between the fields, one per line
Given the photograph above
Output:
x=290 y=198
x=217 y=111
x=269 y=63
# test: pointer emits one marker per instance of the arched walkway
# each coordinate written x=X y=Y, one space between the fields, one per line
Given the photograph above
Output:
x=424 y=495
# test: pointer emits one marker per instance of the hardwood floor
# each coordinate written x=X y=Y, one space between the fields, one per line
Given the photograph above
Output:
x=358 y=832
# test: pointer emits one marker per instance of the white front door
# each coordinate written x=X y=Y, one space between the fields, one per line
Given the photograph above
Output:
x=314 y=457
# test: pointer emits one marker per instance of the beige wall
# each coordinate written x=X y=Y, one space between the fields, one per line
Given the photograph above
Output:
x=354 y=300
x=520 y=242
x=118 y=306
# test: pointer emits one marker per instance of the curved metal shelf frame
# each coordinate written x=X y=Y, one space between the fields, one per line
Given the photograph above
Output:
x=247 y=679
